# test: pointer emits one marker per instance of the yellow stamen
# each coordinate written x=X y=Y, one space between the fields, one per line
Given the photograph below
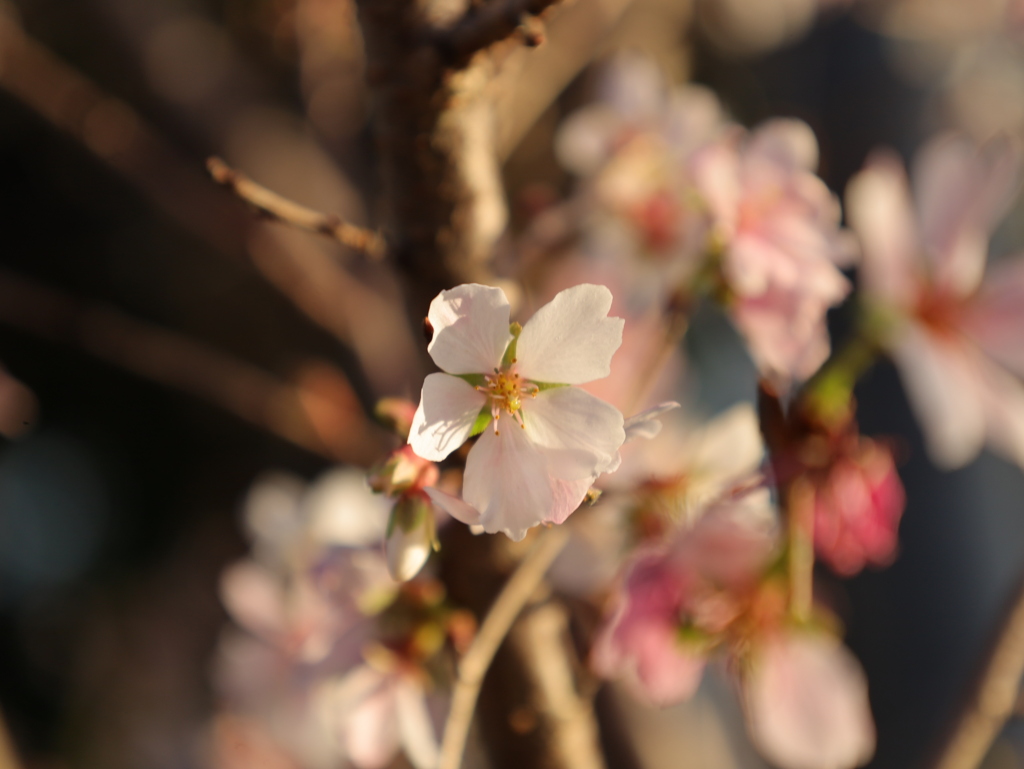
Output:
x=505 y=389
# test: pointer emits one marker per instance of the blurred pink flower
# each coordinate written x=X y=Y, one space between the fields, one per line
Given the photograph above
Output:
x=957 y=341
x=679 y=602
x=313 y=668
x=376 y=713
x=857 y=509
x=778 y=228
x=637 y=204
x=711 y=590
x=634 y=99
x=664 y=483
x=556 y=439
x=806 y=702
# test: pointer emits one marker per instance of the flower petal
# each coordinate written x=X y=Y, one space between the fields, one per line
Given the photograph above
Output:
x=994 y=317
x=878 y=208
x=1002 y=397
x=507 y=481
x=415 y=725
x=470 y=328
x=716 y=172
x=647 y=424
x=962 y=193
x=454 y=506
x=806 y=702
x=580 y=433
x=370 y=732
x=728 y=450
x=254 y=599
x=342 y=510
x=642 y=638
x=585 y=140
x=568 y=495
x=448 y=408
x=571 y=340
x=408 y=550
x=943 y=391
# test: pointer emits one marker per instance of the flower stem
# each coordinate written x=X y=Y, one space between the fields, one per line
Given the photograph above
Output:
x=993 y=698
x=477 y=659
x=800 y=511
x=827 y=396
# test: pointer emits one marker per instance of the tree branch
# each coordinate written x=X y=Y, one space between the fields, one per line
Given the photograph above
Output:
x=282 y=209
x=488 y=24
x=318 y=412
x=994 y=697
x=474 y=664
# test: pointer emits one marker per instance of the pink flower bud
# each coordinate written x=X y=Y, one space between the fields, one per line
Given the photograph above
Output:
x=857 y=509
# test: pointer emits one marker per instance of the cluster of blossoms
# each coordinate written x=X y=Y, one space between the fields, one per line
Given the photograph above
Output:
x=703 y=541
x=331 y=660
x=716 y=588
x=689 y=204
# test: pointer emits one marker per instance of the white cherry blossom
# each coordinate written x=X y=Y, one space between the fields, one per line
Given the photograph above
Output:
x=543 y=442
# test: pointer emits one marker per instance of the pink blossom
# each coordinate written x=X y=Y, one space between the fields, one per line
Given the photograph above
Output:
x=635 y=100
x=376 y=713
x=666 y=480
x=311 y=667
x=857 y=509
x=712 y=590
x=778 y=227
x=538 y=462
x=680 y=601
x=956 y=339
x=631 y=149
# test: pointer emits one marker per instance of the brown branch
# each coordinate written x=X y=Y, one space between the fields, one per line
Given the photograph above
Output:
x=305 y=273
x=994 y=697
x=282 y=209
x=8 y=756
x=318 y=412
x=477 y=659
x=485 y=25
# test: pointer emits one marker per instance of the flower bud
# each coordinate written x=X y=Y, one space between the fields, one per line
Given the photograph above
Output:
x=410 y=537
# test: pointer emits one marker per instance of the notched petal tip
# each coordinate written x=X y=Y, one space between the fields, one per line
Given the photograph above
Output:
x=571 y=339
x=470 y=328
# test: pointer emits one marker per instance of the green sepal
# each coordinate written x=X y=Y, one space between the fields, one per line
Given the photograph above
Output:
x=482 y=420
x=477 y=380
x=694 y=638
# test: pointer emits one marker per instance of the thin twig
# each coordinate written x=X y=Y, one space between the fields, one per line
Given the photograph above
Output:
x=994 y=698
x=474 y=664
x=8 y=755
x=318 y=412
x=491 y=23
x=282 y=209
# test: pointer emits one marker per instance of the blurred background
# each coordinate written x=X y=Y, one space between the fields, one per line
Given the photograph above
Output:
x=161 y=347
